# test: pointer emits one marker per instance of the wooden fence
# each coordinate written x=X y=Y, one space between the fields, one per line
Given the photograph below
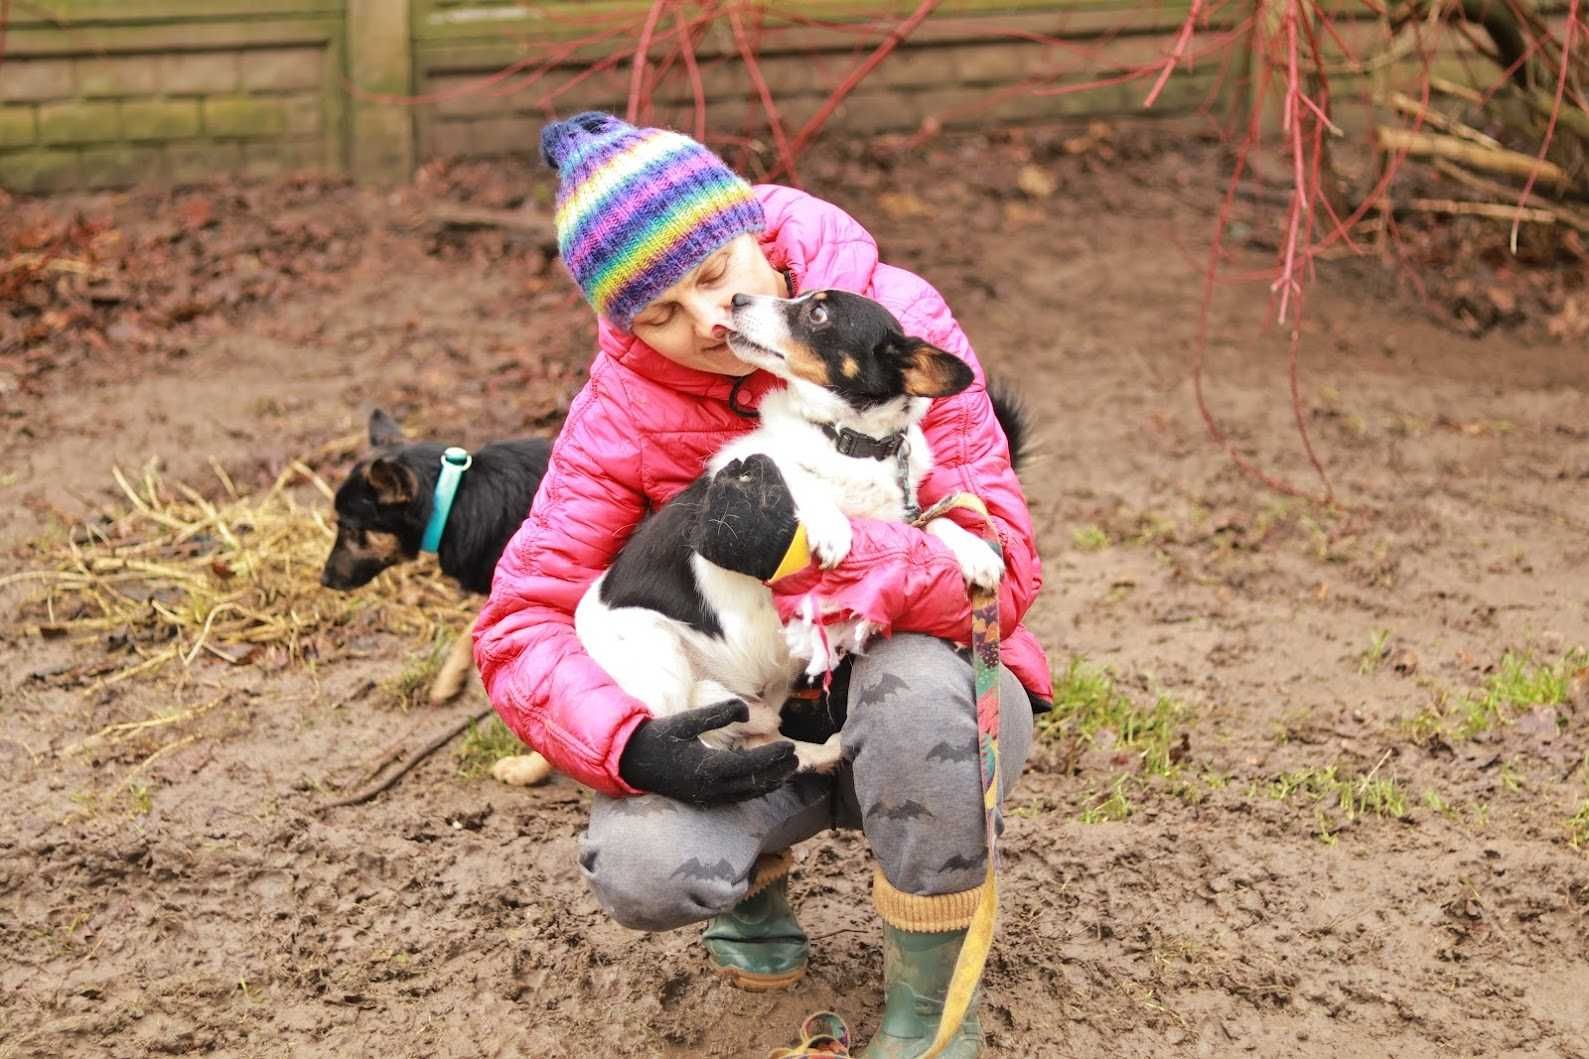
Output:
x=106 y=93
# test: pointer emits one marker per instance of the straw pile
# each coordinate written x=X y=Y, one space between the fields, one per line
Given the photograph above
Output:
x=172 y=580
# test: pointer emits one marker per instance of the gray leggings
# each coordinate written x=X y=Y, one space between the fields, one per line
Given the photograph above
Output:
x=909 y=779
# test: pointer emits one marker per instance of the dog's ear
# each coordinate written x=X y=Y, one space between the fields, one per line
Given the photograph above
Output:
x=384 y=429
x=930 y=372
x=393 y=482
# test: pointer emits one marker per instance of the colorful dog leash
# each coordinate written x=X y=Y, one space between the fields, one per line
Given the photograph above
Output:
x=824 y=1034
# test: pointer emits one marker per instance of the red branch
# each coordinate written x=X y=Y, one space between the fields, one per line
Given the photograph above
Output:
x=638 y=76
x=1181 y=40
x=1550 y=125
x=1221 y=223
x=697 y=89
x=786 y=156
x=855 y=77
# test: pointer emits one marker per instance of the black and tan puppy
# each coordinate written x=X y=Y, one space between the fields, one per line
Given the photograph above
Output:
x=383 y=506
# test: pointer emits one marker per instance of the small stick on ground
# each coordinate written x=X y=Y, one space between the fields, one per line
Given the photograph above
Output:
x=1513 y=163
x=392 y=751
x=1452 y=88
x=1474 y=182
x=441 y=740
x=1409 y=106
x=521 y=222
x=1499 y=211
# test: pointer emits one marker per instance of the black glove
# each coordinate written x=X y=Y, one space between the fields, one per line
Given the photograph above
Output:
x=747 y=520
x=666 y=756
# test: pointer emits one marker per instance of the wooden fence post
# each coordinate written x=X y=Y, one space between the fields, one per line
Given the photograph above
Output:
x=380 y=60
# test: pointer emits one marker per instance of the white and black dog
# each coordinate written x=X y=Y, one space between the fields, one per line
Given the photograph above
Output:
x=678 y=632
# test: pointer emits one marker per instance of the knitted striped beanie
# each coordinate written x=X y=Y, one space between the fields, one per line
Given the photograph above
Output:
x=639 y=208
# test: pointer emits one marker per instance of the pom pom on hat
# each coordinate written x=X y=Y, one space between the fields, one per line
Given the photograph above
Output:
x=559 y=138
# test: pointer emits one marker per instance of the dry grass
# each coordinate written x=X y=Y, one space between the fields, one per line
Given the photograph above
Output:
x=172 y=577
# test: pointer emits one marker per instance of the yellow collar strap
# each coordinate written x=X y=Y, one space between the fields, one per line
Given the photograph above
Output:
x=797 y=558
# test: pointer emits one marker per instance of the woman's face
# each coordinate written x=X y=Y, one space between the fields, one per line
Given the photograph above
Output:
x=688 y=322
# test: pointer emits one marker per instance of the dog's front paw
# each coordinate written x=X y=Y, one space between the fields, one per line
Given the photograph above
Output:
x=820 y=757
x=981 y=565
x=984 y=570
x=829 y=534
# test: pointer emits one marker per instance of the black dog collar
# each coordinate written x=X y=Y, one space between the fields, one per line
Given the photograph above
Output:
x=854 y=443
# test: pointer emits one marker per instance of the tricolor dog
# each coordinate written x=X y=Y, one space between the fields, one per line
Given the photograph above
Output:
x=678 y=632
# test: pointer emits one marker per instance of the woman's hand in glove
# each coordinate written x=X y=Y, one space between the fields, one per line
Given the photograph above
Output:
x=665 y=756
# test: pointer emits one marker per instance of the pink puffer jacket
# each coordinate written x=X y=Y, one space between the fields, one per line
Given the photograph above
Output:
x=642 y=429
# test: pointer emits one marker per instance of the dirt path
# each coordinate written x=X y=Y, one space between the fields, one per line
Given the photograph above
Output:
x=1340 y=828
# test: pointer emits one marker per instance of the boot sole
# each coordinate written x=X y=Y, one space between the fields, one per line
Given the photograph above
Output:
x=751 y=982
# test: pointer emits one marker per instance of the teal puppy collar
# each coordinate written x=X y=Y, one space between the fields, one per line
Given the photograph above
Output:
x=454 y=462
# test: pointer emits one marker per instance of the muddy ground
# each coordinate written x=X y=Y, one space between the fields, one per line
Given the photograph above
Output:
x=1343 y=826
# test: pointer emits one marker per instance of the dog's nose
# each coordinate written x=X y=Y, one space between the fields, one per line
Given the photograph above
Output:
x=741 y=300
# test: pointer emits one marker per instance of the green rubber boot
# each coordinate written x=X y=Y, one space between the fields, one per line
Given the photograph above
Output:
x=759 y=946
x=917 y=966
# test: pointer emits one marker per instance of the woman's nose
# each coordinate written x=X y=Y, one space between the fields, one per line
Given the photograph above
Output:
x=715 y=321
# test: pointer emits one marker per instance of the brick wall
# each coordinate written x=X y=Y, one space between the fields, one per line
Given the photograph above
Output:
x=173 y=92
x=108 y=122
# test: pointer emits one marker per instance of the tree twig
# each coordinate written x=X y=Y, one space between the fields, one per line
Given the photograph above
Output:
x=637 y=76
x=1405 y=104
x=450 y=215
x=1487 y=209
x=1474 y=182
x=1448 y=87
x=1513 y=163
x=439 y=741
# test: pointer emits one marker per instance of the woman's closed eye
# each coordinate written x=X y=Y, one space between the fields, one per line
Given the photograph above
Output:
x=656 y=316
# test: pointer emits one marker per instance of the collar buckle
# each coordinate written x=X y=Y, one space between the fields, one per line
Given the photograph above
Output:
x=853 y=443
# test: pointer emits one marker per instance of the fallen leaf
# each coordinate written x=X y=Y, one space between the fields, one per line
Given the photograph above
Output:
x=195 y=213
x=236 y=654
x=1540 y=723
x=1578 y=689
x=1035 y=182
x=1021 y=213
x=901 y=204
